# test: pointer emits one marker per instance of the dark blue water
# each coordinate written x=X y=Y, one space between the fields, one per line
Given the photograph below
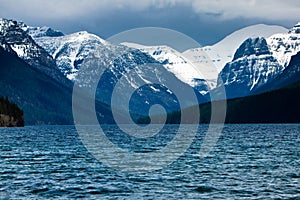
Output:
x=248 y=162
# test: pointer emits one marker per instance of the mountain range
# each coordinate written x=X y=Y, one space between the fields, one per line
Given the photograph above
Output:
x=39 y=67
x=210 y=59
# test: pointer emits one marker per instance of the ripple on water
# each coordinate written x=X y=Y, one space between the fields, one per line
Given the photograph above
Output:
x=248 y=162
x=205 y=189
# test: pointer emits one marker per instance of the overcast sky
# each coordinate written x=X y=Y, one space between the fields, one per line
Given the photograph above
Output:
x=206 y=21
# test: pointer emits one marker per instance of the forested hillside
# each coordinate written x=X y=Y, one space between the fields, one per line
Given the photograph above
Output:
x=10 y=114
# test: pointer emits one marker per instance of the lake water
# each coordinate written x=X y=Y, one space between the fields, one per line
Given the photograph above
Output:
x=248 y=162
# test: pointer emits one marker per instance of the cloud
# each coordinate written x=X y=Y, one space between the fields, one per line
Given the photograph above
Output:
x=220 y=9
x=207 y=21
x=260 y=9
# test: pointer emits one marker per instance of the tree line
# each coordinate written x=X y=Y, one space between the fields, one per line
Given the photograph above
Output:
x=12 y=110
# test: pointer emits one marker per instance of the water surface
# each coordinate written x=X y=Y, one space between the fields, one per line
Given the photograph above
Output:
x=248 y=162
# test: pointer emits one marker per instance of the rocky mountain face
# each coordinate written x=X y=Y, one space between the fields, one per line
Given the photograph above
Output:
x=290 y=74
x=14 y=39
x=258 y=61
x=69 y=51
x=285 y=45
x=174 y=62
x=252 y=66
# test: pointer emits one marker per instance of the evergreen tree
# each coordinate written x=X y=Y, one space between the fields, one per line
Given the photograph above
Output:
x=11 y=110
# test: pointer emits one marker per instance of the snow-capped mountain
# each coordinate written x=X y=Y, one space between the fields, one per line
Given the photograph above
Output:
x=127 y=70
x=14 y=39
x=285 y=45
x=140 y=71
x=252 y=66
x=258 y=61
x=176 y=63
x=214 y=58
x=70 y=50
x=22 y=44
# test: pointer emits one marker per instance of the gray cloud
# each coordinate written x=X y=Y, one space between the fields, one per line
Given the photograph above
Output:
x=205 y=20
x=263 y=9
x=227 y=9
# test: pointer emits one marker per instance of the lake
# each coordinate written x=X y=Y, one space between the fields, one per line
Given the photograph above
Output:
x=248 y=162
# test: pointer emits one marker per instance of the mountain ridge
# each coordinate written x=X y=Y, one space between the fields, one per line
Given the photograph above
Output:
x=58 y=58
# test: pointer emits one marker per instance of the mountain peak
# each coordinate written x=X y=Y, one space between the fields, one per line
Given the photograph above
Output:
x=295 y=29
x=252 y=46
x=6 y=23
x=284 y=46
x=69 y=51
x=15 y=40
x=44 y=31
x=81 y=33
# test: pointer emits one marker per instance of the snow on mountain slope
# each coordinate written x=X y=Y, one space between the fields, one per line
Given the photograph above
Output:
x=252 y=66
x=44 y=31
x=70 y=50
x=15 y=40
x=5 y=24
x=175 y=63
x=216 y=56
x=285 y=45
x=13 y=36
x=223 y=51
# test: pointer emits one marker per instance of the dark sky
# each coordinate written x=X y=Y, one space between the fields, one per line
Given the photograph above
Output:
x=205 y=21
